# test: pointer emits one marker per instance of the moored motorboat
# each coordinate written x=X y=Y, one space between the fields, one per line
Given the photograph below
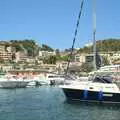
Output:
x=13 y=81
x=13 y=84
x=104 y=89
x=101 y=89
x=55 y=79
x=31 y=84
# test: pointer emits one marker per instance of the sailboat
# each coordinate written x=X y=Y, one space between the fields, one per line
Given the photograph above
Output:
x=99 y=88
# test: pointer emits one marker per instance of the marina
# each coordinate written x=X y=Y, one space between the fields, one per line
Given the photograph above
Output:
x=29 y=78
x=42 y=77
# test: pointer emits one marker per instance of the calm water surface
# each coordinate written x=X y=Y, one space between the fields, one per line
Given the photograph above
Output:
x=48 y=103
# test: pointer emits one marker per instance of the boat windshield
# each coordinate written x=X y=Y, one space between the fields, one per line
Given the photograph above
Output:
x=103 y=79
x=53 y=76
x=114 y=75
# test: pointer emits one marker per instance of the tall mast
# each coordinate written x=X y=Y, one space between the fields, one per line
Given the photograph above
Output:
x=94 y=34
x=75 y=34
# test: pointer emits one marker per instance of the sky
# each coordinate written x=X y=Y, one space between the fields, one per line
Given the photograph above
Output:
x=53 y=22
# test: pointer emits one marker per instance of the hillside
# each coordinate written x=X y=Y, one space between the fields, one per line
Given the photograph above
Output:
x=106 y=45
x=24 y=45
x=30 y=46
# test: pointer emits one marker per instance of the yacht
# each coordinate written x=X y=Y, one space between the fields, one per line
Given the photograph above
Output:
x=31 y=84
x=55 y=79
x=41 y=80
x=100 y=89
x=12 y=81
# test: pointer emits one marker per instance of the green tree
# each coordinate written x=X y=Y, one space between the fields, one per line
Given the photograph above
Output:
x=105 y=61
x=62 y=58
x=50 y=60
x=29 y=45
x=46 y=48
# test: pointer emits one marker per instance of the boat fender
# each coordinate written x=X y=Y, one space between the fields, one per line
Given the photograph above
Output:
x=100 y=95
x=85 y=94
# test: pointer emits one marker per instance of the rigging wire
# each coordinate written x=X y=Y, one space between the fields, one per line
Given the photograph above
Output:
x=74 y=38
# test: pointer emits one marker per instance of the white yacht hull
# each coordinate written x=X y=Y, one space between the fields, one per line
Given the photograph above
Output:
x=92 y=92
x=13 y=84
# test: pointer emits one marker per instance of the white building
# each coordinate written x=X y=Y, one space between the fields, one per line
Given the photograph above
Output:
x=111 y=57
x=6 y=67
x=6 y=51
x=115 y=56
x=82 y=58
x=46 y=53
x=4 y=55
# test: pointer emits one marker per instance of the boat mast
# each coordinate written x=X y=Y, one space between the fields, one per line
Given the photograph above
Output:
x=74 y=38
x=94 y=34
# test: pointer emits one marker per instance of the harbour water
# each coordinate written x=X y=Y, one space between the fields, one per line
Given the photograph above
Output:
x=49 y=103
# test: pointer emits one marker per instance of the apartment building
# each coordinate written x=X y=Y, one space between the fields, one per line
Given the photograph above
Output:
x=6 y=50
x=111 y=57
x=4 y=55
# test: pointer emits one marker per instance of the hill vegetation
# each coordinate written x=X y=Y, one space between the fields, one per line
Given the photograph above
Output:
x=106 y=45
x=29 y=46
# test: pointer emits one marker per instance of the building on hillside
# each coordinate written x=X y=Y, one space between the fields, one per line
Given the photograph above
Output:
x=21 y=56
x=61 y=65
x=5 y=68
x=83 y=58
x=6 y=50
x=46 y=53
x=2 y=47
x=6 y=46
x=115 y=56
x=31 y=59
x=11 y=49
x=111 y=56
x=4 y=55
